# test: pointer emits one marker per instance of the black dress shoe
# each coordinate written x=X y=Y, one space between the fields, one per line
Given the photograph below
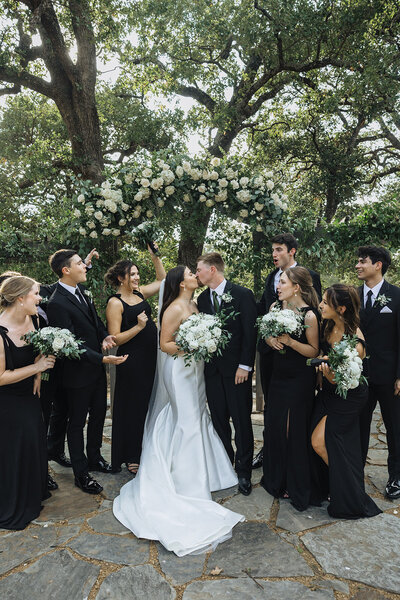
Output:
x=258 y=460
x=51 y=484
x=245 y=486
x=61 y=459
x=88 y=484
x=101 y=465
x=392 y=489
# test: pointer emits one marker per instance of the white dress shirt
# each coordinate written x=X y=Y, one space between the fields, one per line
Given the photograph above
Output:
x=375 y=291
x=278 y=275
x=220 y=290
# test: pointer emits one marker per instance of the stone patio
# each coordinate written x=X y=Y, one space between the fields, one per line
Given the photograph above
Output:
x=76 y=549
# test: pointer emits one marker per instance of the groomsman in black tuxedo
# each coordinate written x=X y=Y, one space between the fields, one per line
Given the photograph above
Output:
x=284 y=248
x=228 y=377
x=53 y=400
x=83 y=381
x=380 y=324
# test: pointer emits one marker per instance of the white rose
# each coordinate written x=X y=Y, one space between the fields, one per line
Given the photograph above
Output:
x=275 y=197
x=129 y=178
x=221 y=196
x=235 y=184
x=122 y=222
x=138 y=197
x=202 y=198
x=115 y=232
x=270 y=184
x=209 y=202
x=147 y=172
x=195 y=174
x=82 y=231
x=136 y=214
x=230 y=173
x=106 y=185
x=168 y=176
x=149 y=214
x=222 y=182
x=93 y=234
x=144 y=182
x=169 y=190
x=157 y=183
x=89 y=210
x=106 y=231
x=244 y=181
x=258 y=206
x=124 y=206
x=214 y=175
x=81 y=198
x=160 y=202
x=187 y=198
x=106 y=193
x=202 y=188
x=91 y=225
x=58 y=343
x=98 y=215
x=100 y=203
x=211 y=346
x=186 y=166
x=215 y=161
x=259 y=228
x=244 y=213
x=77 y=212
x=179 y=171
x=112 y=207
x=243 y=195
x=117 y=182
x=206 y=174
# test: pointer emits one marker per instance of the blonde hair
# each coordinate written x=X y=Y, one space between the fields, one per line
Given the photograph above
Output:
x=14 y=287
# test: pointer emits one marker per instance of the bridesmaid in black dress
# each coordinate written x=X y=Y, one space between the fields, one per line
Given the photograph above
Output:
x=23 y=452
x=287 y=449
x=129 y=320
x=335 y=423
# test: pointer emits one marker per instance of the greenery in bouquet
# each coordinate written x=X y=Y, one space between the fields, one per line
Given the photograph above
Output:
x=344 y=361
x=145 y=233
x=279 y=321
x=55 y=341
x=202 y=336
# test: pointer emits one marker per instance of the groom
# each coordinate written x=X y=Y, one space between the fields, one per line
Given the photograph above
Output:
x=228 y=377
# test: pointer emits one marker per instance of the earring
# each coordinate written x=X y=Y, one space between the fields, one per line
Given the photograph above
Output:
x=21 y=303
x=295 y=293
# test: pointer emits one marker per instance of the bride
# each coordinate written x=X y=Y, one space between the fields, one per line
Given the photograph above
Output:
x=183 y=459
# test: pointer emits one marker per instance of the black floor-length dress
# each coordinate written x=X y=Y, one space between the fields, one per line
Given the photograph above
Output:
x=343 y=481
x=287 y=448
x=133 y=385
x=23 y=452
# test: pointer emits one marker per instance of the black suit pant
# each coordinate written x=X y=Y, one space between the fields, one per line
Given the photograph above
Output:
x=55 y=414
x=90 y=399
x=226 y=400
x=390 y=409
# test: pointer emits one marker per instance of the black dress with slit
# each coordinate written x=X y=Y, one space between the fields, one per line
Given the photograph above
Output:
x=343 y=481
x=23 y=451
x=287 y=447
x=133 y=385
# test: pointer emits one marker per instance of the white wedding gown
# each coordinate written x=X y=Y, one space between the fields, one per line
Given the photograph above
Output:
x=183 y=460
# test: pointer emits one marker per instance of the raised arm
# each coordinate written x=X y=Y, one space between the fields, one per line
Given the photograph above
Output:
x=153 y=288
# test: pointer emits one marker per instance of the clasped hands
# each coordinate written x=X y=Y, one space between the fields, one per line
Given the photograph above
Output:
x=278 y=343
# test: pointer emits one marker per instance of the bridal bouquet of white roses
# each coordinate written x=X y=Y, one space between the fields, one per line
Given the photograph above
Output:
x=146 y=233
x=346 y=364
x=55 y=341
x=202 y=336
x=279 y=321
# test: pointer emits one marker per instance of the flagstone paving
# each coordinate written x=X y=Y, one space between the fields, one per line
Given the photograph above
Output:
x=76 y=549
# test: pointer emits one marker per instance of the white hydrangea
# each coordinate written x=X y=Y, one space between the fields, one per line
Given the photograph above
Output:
x=117 y=182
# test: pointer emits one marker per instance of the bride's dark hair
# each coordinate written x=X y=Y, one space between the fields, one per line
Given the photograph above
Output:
x=171 y=287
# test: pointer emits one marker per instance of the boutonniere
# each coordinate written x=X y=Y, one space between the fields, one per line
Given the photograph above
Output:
x=382 y=300
x=226 y=297
x=89 y=294
x=44 y=300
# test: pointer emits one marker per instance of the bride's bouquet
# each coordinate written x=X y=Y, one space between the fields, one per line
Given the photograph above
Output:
x=61 y=343
x=202 y=336
x=346 y=364
x=279 y=321
x=146 y=233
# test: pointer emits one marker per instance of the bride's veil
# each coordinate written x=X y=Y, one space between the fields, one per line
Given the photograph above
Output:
x=159 y=394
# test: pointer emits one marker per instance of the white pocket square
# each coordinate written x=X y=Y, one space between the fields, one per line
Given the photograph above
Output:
x=385 y=309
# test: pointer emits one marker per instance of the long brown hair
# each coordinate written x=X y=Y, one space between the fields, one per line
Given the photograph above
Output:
x=340 y=294
x=172 y=287
x=302 y=277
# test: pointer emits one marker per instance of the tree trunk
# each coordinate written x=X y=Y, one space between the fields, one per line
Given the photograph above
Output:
x=332 y=202
x=192 y=240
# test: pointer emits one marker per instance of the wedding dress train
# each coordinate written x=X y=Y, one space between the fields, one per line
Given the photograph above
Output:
x=183 y=460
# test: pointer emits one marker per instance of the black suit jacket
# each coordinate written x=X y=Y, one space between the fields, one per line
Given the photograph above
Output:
x=241 y=347
x=64 y=310
x=382 y=335
x=269 y=296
